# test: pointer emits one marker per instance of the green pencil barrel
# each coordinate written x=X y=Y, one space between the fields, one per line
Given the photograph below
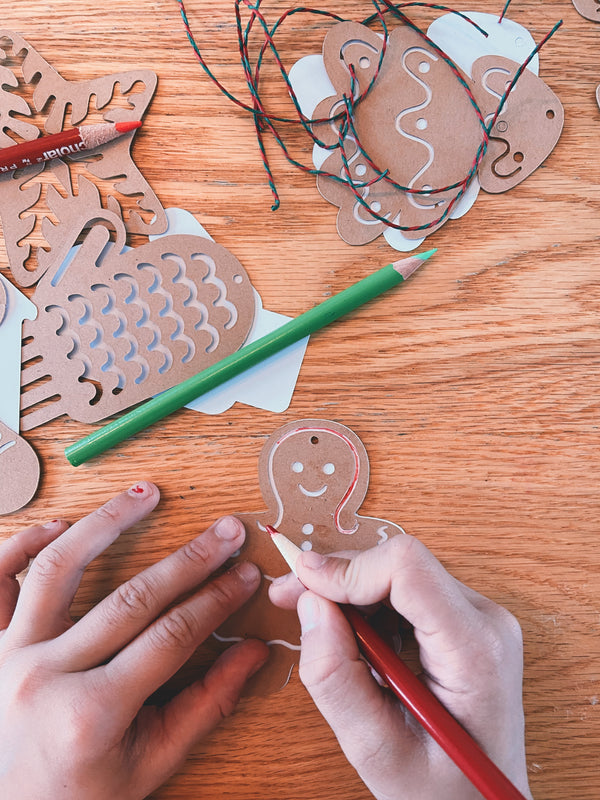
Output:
x=231 y=366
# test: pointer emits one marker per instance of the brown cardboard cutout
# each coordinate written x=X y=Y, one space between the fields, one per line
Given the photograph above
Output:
x=31 y=92
x=418 y=122
x=402 y=125
x=598 y=96
x=313 y=475
x=590 y=9
x=19 y=471
x=526 y=130
x=116 y=328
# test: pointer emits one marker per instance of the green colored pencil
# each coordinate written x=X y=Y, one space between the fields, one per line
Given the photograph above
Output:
x=179 y=396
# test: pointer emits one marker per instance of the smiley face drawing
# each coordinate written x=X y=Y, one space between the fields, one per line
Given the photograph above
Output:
x=313 y=476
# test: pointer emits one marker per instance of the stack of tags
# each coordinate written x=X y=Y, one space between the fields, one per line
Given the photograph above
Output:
x=417 y=123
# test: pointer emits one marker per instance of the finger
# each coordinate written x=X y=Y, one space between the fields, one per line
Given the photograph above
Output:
x=419 y=588
x=15 y=555
x=285 y=591
x=125 y=613
x=156 y=654
x=42 y=610
x=369 y=726
x=196 y=711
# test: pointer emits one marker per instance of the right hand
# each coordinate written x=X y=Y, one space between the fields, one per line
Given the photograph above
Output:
x=470 y=650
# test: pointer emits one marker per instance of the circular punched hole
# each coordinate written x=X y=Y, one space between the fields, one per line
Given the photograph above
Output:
x=306 y=546
x=421 y=124
x=314 y=440
x=360 y=170
x=237 y=278
x=550 y=114
x=502 y=126
x=307 y=529
x=329 y=468
x=297 y=466
x=364 y=62
x=518 y=157
x=376 y=206
x=424 y=67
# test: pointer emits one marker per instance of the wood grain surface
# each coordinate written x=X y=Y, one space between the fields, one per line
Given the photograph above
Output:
x=475 y=389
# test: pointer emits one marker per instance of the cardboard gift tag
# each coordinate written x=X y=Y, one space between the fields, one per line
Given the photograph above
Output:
x=590 y=9
x=116 y=327
x=19 y=471
x=29 y=88
x=313 y=476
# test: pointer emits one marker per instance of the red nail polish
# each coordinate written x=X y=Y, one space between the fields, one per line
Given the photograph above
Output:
x=137 y=489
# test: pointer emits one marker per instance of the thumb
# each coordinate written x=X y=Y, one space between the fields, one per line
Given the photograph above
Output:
x=364 y=719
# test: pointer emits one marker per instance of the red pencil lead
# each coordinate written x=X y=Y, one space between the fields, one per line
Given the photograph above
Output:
x=270 y=529
x=125 y=127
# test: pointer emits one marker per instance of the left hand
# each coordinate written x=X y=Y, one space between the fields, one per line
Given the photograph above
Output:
x=73 y=719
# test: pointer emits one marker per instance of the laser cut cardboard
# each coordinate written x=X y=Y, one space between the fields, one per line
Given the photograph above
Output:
x=403 y=126
x=30 y=87
x=313 y=476
x=590 y=9
x=116 y=328
x=19 y=471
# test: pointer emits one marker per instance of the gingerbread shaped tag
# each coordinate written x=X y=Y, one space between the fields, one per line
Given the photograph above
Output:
x=417 y=151
x=313 y=475
x=590 y=9
x=33 y=94
x=116 y=326
x=19 y=471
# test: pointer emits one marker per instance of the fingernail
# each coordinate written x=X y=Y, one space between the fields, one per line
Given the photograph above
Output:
x=247 y=571
x=309 y=612
x=228 y=528
x=54 y=523
x=312 y=560
x=139 y=490
x=281 y=579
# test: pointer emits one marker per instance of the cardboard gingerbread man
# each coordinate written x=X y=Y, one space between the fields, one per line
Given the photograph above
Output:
x=313 y=476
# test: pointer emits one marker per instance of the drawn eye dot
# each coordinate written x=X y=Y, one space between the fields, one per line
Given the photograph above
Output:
x=421 y=124
x=297 y=466
x=376 y=206
x=360 y=170
x=518 y=157
x=329 y=468
x=550 y=114
x=314 y=440
x=306 y=546
x=237 y=279
x=424 y=67
x=307 y=529
x=364 y=62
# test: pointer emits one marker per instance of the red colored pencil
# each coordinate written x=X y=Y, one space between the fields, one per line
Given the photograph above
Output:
x=65 y=143
x=416 y=697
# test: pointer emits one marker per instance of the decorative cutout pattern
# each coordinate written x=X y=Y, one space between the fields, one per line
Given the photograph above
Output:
x=115 y=327
x=19 y=471
x=43 y=207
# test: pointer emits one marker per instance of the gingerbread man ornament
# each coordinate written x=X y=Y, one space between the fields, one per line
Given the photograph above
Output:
x=313 y=475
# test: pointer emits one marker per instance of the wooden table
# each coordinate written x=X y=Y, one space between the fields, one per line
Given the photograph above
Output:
x=475 y=390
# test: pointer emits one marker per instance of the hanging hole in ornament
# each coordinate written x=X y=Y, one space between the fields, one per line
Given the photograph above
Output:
x=364 y=62
x=518 y=157
x=550 y=114
x=360 y=170
x=314 y=440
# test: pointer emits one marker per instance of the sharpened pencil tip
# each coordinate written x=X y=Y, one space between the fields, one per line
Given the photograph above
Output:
x=407 y=266
x=270 y=529
x=125 y=127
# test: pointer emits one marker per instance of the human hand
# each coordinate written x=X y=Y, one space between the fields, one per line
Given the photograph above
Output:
x=470 y=650
x=73 y=724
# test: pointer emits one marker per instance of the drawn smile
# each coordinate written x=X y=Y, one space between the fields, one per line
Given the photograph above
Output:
x=318 y=493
